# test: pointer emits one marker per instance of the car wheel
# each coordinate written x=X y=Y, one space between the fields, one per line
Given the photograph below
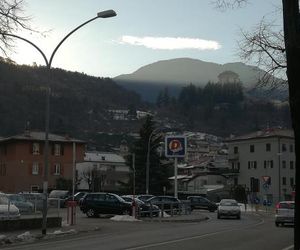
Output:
x=90 y=213
x=238 y=217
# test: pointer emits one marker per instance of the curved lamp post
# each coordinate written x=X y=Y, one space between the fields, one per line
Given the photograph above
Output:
x=102 y=14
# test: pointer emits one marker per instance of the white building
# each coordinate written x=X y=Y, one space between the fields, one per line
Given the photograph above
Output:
x=266 y=163
x=101 y=172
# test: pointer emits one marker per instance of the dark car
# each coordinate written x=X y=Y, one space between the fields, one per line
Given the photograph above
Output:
x=165 y=202
x=144 y=197
x=144 y=209
x=60 y=196
x=77 y=197
x=199 y=202
x=93 y=204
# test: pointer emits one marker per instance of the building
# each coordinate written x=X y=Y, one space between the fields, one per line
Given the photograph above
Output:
x=102 y=171
x=22 y=160
x=266 y=161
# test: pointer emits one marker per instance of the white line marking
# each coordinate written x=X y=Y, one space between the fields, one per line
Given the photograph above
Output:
x=289 y=248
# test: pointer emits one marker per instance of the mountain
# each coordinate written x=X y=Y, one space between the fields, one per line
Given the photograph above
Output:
x=149 y=80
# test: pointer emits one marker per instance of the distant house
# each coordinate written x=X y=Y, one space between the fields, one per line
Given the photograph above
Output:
x=22 y=160
x=266 y=160
x=101 y=171
x=228 y=77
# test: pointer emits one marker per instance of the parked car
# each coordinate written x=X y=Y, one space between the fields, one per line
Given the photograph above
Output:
x=229 y=208
x=144 y=197
x=199 y=202
x=285 y=213
x=58 y=196
x=145 y=209
x=165 y=202
x=21 y=203
x=8 y=211
x=77 y=196
x=35 y=198
x=93 y=204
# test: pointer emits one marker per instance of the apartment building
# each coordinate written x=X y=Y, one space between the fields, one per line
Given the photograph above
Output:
x=22 y=160
x=266 y=163
x=102 y=171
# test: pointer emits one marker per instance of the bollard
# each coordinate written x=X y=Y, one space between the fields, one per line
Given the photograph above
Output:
x=71 y=212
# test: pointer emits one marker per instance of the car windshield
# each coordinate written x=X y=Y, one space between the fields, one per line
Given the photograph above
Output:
x=58 y=194
x=228 y=203
x=17 y=198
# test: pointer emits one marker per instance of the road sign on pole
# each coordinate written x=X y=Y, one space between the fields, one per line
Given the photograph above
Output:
x=175 y=146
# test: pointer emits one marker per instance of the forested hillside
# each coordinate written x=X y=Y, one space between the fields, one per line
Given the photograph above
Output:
x=78 y=102
x=80 y=106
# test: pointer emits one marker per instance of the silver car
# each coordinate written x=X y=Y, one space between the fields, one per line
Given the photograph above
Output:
x=285 y=213
x=8 y=211
x=229 y=208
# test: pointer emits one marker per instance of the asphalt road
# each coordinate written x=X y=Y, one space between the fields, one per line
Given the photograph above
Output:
x=253 y=232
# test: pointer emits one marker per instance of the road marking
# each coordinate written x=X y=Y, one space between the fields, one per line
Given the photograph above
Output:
x=194 y=237
x=289 y=248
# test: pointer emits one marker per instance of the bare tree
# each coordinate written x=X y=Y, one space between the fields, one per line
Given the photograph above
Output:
x=229 y=4
x=269 y=41
x=264 y=46
x=12 y=20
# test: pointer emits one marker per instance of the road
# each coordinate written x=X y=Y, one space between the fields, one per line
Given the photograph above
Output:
x=251 y=232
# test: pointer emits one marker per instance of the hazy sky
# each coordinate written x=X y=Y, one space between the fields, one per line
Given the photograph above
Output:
x=143 y=32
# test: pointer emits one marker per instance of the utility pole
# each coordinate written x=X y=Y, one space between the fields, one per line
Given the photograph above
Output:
x=291 y=24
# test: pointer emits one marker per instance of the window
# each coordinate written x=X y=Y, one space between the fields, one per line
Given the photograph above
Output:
x=35 y=168
x=34 y=188
x=268 y=147
x=252 y=164
x=57 y=149
x=283 y=164
x=35 y=148
x=283 y=180
x=291 y=165
x=283 y=147
x=235 y=150
x=57 y=169
x=251 y=148
x=291 y=148
x=292 y=182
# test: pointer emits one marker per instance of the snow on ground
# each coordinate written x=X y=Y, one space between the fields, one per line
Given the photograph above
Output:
x=124 y=218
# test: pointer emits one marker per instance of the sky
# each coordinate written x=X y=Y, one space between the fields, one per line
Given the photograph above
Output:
x=143 y=32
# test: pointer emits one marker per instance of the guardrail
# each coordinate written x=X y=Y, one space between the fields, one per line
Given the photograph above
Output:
x=180 y=208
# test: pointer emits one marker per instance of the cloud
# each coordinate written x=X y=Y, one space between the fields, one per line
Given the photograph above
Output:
x=171 y=43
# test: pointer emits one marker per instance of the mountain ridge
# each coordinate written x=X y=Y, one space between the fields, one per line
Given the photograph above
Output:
x=179 y=72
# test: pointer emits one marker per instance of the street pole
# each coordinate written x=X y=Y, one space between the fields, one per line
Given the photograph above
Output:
x=175 y=178
x=102 y=14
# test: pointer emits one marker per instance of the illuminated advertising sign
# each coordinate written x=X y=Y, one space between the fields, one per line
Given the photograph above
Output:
x=175 y=146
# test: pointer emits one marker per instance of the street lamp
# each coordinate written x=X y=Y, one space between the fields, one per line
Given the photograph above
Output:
x=102 y=14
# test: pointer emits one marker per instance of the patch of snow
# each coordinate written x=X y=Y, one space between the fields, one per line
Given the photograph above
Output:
x=25 y=236
x=123 y=218
x=57 y=232
x=165 y=215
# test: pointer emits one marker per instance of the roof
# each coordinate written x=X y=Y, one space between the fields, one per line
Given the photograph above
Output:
x=40 y=136
x=263 y=134
x=103 y=157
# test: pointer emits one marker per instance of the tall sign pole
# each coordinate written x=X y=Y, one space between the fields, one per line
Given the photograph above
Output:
x=175 y=147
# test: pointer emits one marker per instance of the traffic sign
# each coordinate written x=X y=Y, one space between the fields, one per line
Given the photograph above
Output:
x=175 y=146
